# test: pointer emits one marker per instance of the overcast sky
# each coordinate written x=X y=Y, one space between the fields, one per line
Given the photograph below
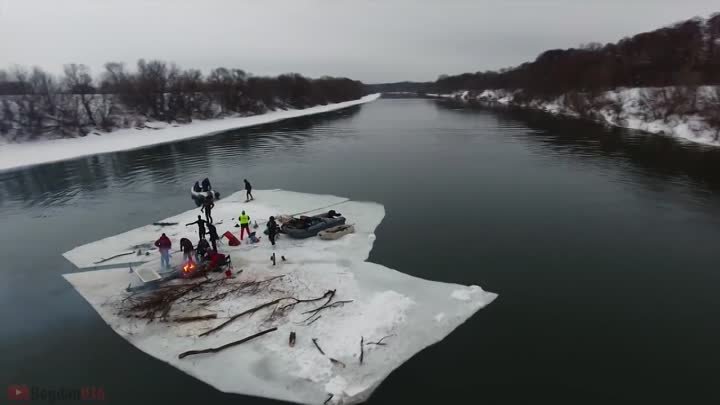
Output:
x=369 y=40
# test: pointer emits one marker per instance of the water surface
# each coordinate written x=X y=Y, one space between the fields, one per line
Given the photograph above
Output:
x=602 y=243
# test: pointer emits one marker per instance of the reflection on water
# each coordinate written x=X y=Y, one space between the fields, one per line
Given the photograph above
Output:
x=656 y=157
x=176 y=163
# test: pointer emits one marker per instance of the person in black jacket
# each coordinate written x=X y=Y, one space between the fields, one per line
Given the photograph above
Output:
x=201 y=226
x=206 y=185
x=248 y=190
x=212 y=232
x=202 y=248
x=207 y=207
x=273 y=230
x=187 y=249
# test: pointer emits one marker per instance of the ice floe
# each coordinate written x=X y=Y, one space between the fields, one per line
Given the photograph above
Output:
x=386 y=318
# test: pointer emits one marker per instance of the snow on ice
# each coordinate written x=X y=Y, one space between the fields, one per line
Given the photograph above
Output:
x=403 y=313
x=15 y=155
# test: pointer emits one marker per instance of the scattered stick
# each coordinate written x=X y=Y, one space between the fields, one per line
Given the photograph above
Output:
x=328 y=400
x=337 y=362
x=318 y=346
x=313 y=321
x=362 y=351
x=158 y=303
x=249 y=311
x=328 y=294
x=257 y=308
x=333 y=305
x=223 y=347
x=114 y=257
x=250 y=285
x=164 y=223
x=380 y=342
x=194 y=318
x=317 y=310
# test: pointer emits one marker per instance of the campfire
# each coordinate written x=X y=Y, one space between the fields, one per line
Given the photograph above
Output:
x=189 y=269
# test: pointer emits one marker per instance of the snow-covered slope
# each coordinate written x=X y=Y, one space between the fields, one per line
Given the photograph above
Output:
x=15 y=155
x=408 y=312
x=691 y=114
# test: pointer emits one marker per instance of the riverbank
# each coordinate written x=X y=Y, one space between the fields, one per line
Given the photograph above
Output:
x=17 y=155
x=692 y=114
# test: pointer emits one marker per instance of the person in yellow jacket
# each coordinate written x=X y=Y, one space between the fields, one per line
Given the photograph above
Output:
x=244 y=224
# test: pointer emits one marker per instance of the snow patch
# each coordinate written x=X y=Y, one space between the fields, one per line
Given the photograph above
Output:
x=466 y=293
x=336 y=386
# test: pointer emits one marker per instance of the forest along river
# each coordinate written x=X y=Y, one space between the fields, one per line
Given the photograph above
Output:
x=602 y=243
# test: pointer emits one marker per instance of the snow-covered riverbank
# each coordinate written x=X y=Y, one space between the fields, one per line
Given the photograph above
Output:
x=380 y=320
x=15 y=155
x=691 y=114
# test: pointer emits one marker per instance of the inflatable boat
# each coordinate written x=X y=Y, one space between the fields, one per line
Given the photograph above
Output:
x=336 y=232
x=307 y=227
x=199 y=196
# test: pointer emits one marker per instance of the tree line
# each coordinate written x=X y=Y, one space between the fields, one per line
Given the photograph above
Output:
x=34 y=102
x=684 y=54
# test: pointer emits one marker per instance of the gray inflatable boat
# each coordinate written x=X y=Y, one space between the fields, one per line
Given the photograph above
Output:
x=307 y=227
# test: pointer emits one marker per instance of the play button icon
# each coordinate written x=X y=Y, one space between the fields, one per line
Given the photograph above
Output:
x=18 y=393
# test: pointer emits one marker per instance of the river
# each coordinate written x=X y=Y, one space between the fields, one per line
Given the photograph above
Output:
x=602 y=243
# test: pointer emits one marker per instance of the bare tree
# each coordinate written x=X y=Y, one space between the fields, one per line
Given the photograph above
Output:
x=44 y=85
x=712 y=111
x=114 y=78
x=78 y=81
x=159 y=90
x=152 y=83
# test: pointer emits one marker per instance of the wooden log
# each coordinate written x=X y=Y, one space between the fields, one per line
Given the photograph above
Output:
x=318 y=346
x=223 y=347
x=362 y=351
x=113 y=257
x=194 y=318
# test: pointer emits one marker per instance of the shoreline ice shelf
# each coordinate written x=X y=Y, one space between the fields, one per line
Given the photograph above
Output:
x=17 y=155
x=634 y=108
x=408 y=312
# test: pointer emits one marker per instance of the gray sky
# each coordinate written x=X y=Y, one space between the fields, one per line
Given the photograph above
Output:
x=369 y=40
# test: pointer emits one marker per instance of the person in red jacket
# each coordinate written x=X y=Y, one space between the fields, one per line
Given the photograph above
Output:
x=164 y=245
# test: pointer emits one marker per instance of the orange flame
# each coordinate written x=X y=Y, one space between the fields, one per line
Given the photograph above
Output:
x=189 y=267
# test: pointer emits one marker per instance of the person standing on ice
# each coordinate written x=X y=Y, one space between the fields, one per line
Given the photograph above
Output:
x=187 y=249
x=212 y=232
x=202 y=249
x=244 y=224
x=248 y=190
x=207 y=207
x=206 y=185
x=273 y=230
x=201 y=226
x=164 y=245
